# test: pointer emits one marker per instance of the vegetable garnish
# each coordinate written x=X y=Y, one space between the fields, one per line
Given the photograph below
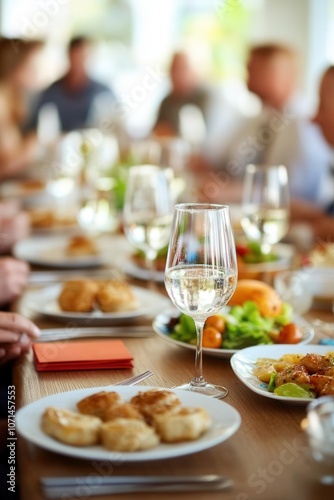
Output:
x=241 y=326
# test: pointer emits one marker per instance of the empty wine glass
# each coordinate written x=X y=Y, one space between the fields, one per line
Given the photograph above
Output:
x=265 y=204
x=201 y=272
x=148 y=210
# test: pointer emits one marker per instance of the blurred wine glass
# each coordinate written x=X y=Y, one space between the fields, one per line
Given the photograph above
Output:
x=97 y=208
x=265 y=204
x=148 y=210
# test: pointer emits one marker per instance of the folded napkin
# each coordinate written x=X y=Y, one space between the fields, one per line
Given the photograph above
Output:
x=82 y=355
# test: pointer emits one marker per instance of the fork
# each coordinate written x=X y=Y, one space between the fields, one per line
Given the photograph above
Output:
x=135 y=379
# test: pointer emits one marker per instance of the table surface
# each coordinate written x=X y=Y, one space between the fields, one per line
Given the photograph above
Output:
x=267 y=458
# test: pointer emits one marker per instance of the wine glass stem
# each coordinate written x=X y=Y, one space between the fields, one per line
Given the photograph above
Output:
x=198 y=379
x=150 y=257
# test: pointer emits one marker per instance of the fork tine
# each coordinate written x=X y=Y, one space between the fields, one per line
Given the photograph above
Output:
x=135 y=379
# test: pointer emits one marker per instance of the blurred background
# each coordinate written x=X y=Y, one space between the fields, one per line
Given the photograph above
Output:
x=133 y=38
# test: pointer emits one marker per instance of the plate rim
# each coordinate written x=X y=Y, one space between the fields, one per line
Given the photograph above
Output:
x=221 y=353
x=71 y=262
x=188 y=447
x=285 y=348
x=67 y=315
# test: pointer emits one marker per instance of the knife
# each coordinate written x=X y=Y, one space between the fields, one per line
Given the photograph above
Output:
x=86 y=486
x=75 y=333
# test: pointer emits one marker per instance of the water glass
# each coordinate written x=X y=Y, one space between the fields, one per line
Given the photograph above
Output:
x=320 y=432
x=294 y=287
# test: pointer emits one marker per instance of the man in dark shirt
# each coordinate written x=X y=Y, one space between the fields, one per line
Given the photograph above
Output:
x=74 y=94
x=186 y=90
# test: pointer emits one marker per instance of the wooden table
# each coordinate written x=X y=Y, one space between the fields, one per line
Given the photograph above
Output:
x=267 y=458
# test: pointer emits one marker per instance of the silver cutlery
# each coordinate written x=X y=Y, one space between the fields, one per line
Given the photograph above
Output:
x=135 y=379
x=88 y=486
x=51 y=334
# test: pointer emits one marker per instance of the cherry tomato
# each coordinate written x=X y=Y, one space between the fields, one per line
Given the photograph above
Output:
x=216 y=322
x=211 y=337
x=290 y=334
x=242 y=250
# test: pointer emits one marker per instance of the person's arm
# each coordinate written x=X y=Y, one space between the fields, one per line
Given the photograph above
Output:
x=16 y=335
x=23 y=156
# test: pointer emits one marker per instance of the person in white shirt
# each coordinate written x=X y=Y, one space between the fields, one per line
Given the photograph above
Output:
x=278 y=134
x=321 y=221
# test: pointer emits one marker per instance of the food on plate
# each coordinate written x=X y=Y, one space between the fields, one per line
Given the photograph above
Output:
x=295 y=375
x=48 y=218
x=322 y=255
x=32 y=185
x=113 y=296
x=266 y=298
x=182 y=424
x=78 y=296
x=124 y=434
x=159 y=263
x=122 y=410
x=70 y=427
x=237 y=327
x=97 y=404
x=139 y=424
x=81 y=245
x=85 y=295
x=251 y=253
x=152 y=403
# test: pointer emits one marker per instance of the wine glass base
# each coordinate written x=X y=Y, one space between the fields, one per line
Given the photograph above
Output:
x=214 y=391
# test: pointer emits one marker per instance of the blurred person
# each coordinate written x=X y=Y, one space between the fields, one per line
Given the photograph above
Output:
x=75 y=94
x=186 y=89
x=13 y=278
x=278 y=134
x=321 y=221
x=17 y=75
x=14 y=225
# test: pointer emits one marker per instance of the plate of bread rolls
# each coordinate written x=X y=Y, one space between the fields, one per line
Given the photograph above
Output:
x=94 y=301
x=127 y=423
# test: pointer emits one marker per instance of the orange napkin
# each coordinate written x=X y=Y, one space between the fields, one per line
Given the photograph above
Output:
x=87 y=355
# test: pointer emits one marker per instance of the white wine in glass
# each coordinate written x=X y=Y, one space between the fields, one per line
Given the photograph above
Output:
x=148 y=210
x=201 y=272
x=265 y=205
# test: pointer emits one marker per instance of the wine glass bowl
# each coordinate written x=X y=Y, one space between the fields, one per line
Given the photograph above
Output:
x=201 y=272
x=148 y=210
x=265 y=204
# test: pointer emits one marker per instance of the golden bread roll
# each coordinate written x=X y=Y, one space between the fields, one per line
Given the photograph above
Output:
x=114 y=296
x=123 y=434
x=78 y=296
x=154 y=402
x=70 y=427
x=98 y=404
x=122 y=410
x=183 y=424
x=266 y=298
x=81 y=245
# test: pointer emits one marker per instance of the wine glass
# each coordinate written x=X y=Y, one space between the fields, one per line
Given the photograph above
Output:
x=148 y=210
x=97 y=211
x=201 y=272
x=265 y=204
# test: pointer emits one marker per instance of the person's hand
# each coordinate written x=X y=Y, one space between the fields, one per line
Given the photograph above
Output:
x=13 y=229
x=16 y=335
x=13 y=278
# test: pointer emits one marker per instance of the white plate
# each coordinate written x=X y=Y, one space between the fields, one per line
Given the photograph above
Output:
x=51 y=252
x=143 y=274
x=160 y=327
x=226 y=421
x=243 y=363
x=284 y=252
x=44 y=301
